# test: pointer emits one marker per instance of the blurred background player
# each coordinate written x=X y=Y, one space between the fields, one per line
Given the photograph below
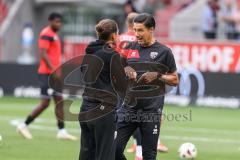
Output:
x=125 y=38
x=50 y=53
x=128 y=36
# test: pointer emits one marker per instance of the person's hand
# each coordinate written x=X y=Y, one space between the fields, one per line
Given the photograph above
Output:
x=131 y=73
x=148 y=77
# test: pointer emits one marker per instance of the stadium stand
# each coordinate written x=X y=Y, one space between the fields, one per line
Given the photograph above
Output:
x=189 y=24
x=165 y=15
x=3 y=11
x=5 y=6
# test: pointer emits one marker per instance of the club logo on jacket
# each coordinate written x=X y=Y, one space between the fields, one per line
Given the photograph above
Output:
x=133 y=54
x=153 y=55
x=155 y=130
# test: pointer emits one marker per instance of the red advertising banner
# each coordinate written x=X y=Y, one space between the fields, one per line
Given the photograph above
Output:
x=72 y=49
x=206 y=57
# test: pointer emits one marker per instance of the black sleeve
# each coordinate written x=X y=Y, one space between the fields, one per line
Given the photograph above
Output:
x=170 y=61
x=47 y=38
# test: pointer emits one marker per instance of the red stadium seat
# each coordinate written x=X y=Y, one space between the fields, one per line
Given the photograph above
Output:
x=3 y=11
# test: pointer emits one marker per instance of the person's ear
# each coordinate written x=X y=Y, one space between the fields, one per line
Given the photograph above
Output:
x=151 y=29
x=114 y=36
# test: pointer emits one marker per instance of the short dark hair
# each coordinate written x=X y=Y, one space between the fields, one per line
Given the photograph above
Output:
x=105 y=28
x=54 y=16
x=131 y=16
x=146 y=19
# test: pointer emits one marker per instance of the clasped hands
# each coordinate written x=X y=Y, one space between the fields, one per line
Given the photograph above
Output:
x=146 y=78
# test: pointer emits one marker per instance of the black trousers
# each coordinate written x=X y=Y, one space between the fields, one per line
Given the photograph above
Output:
x=210 y=35
x=232 y=35
x=98 y=138
x=138 y=137
x=149 y=130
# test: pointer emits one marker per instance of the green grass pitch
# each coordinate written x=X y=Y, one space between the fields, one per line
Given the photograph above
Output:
x=214 y=131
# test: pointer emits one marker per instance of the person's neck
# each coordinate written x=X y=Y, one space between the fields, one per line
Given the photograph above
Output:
x=150 y=43
x=111 y=43
x=54 y=30
x=130 y=29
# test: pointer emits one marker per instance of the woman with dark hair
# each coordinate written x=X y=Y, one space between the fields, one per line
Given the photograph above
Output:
x=99 y=132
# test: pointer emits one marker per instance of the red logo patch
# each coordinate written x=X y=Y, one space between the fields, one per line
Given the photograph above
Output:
x=133 y=54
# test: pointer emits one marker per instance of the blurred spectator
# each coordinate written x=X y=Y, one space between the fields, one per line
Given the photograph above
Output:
x=129 y=7
x=227 y=13
x=235 y=19
x=210 y=20
x=186 y=3
x=166 y=2
x=3 y=11
x=140 y=4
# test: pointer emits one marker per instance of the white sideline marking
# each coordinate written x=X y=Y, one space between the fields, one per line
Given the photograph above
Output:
x=201 y=139
x=202 y=130
x=40 y=127
x=169 y=137
x=192 y=130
